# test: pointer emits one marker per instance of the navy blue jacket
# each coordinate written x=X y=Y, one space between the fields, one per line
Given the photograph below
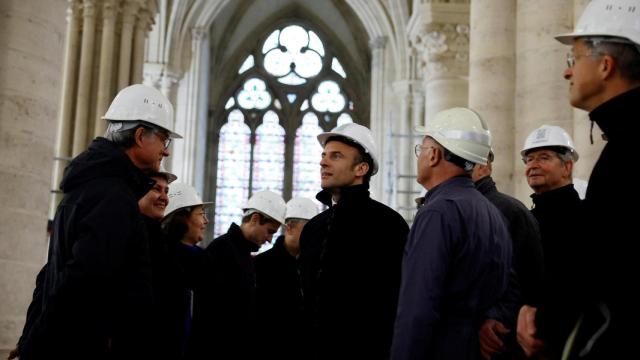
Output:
x=456 y=266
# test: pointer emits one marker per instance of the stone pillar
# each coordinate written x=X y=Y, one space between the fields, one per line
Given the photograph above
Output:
x=83 y=96
x=589 y=153
x=65 y=113
x=541 y=91
x=491 y=80
x=143 y=26
x=129 y=10
x=32 y=34
x=105 y=92
x=191 y=112
x=440 y=33
x=377 y=125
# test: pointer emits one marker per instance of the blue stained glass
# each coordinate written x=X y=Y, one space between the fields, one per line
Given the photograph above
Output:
x=232 y=187
x=268 y=155
x=307 y=153
x=291 y=98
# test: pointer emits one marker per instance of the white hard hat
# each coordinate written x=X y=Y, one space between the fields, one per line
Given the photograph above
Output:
x=182 y=195
x=461 y=131
x=142 y=103
x=359 y=134
x=268 y=203
x=548 y=136
x=301 y=208
x=616 y=18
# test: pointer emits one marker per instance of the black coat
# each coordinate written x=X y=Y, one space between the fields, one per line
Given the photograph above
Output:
x=610 y=250
x=557 y=212
x=231 y=312
x=279 y=303
x=96 y=290
x=525 y=234
x=350 y=264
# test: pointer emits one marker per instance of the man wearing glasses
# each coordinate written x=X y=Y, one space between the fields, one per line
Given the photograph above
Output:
x=95 y=296
x=604 y=79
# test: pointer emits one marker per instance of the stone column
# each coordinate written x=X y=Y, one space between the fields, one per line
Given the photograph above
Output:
x=83 y=97
x=191 y=112
x=32 y=35
x=491 y=80
x=440 y=33
x=65 y=113
x=589 y=153
x=105 y=92
x=541 y=91
x=377 y=124
x=142 y=28
x=129 y=11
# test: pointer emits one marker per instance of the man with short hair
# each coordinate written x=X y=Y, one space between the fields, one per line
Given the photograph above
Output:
x=458 y=257
x=549 y=157
x=350 y=255
x=278 y=286
x=232 y=307
x=96 y=290
x=604 y=79
x=497 y=333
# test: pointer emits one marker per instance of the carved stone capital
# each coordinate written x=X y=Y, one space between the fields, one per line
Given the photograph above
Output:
x=88 y=8
x=378 y=43
x=199 y=33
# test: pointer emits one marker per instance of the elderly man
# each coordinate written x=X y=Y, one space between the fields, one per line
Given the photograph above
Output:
x=350 y=254
x=96 y=291
x=458 y=256
x=604 y=79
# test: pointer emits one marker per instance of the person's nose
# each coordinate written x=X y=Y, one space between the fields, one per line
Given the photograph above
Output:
x=164 y=197
x=568 y=73
x=165 y=152
x=323 y=162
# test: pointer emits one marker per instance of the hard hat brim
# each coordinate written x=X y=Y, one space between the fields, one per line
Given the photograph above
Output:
x=205 y=204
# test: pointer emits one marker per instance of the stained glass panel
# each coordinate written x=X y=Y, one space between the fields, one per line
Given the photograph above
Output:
x=307 y=153
x=294 y=49
x=344 y=118
x=268 y=155
x=328 y=97
x=248 y=64
x=337 y=67
x=232 y=187
x=254 y=95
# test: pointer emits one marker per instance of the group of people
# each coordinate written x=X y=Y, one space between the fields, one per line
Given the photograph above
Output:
x=478 y=275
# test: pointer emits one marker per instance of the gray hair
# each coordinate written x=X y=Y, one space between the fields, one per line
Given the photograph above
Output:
x=626 y=54
x=122 y=133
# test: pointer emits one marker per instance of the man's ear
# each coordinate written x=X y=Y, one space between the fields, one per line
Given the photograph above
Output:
x=138 y=135
x=362 y=168
x=607 y=67
x=568 y=168
x=435 y=156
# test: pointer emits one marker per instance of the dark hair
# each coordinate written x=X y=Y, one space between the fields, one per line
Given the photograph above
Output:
x=263 y=218
x=363 y=155
x=175 y=226
x=627 y=56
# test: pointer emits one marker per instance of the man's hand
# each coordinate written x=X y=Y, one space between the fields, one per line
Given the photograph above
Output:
x=527 y=331
x=491 y=343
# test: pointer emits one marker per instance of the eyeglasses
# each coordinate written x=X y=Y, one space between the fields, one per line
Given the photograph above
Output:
x=204 y=214
x=418 y=149
x=164 y=137
x=571 y=57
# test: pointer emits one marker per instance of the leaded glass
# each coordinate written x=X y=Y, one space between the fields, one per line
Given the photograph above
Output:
x=268 y=155
x=254 y=95
x=229 y=104
x=248 y=64
x=232 y=187
x=292 y=79
x=293 y=50
x=271 y=42
x=315 y=43
x=337 y=67
x=328 y=97
x=307 y=153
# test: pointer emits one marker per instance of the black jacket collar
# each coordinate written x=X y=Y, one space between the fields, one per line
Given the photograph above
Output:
x=486 y=185
x=347 y=194
x=611 y=114
x=235 y=234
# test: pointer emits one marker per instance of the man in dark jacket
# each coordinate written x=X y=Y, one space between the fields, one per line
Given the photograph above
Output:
x=350 y=255
x=95 y=293
x=527 y=266
x=604 y=77
x=458 y=256
x=549 y=156
x=232 y=308
x=278 y=292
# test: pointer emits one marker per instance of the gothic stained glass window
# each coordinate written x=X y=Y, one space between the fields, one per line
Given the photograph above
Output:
x=307 y=155
x=268 y=155
x=232 y=187
x=292 y=81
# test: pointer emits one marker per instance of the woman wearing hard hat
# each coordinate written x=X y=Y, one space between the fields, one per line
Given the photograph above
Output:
x=184 y=224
